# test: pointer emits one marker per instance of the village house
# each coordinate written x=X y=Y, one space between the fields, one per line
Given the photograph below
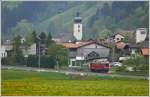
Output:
x=126 y=43
x=3 y=52
x=43 y=49
x=118 y=37
x=140 y=48
x=57 y=40
x=145 y=52
x=86 y=51
x=122 y=35
x=7 y=47
x=141 y=34
x=31 y=50
x=139 y=45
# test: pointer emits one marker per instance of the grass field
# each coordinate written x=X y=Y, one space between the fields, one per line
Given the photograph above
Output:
x=19 y=83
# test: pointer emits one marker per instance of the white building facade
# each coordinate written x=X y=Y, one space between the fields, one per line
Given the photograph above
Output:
x=30 y=50
x=141 y=34
x=79 y=55
x=118 y=38
x=3 y=52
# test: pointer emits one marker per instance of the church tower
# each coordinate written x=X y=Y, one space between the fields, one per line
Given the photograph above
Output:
x=78 y=27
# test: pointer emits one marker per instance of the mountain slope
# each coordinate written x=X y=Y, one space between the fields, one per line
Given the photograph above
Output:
x=99 y=18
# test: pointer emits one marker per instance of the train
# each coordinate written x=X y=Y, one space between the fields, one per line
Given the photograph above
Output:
x=99 y=66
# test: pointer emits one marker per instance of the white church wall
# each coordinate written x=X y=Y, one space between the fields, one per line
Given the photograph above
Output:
x=78 y=31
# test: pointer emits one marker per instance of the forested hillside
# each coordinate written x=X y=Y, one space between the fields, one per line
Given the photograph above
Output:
x=99 y=18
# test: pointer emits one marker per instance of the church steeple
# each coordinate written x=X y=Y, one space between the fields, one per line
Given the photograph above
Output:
x=78 y=27
x=77 y=14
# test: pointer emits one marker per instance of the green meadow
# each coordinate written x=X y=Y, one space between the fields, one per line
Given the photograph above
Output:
x=30 y=83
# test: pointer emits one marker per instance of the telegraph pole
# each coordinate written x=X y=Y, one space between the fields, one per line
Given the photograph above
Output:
x=113 y=53
x=39 y=61
x=57 y=63
x=113 y=50
x=39 y=53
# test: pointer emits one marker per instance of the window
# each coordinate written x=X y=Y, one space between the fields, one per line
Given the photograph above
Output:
x=118 y=39
x=73 y=63
x=78 y=30
x=96 y=46
x=92 y=55
x=143 y=32
x=78 y=26
x=78 y=63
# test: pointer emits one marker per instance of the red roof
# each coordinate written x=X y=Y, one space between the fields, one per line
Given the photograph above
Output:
x=145 y=51
x=120 y=45
x=76 y=45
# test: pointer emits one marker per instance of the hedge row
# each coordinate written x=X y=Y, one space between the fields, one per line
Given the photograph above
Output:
x=45 y=61
x=13 y=60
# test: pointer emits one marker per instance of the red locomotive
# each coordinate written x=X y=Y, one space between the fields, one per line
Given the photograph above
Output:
x=99 y=66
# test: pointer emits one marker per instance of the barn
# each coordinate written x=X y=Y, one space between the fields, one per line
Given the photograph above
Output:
x=85 y=51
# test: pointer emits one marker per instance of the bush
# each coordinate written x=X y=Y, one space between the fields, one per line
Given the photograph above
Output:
x=48 y=61
x=45 y=61
x=60 y=53
x=9 y=61
x=120 y=69
x=4 y=61
x=14 y=60
x=20 y=60
x=32 y=61
x=62 y=60
x=139 y=63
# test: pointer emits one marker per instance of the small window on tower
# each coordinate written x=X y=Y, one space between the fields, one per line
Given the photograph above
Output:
x=78 y=30
x=78 y=26
x=143 y=32
x=95 y=46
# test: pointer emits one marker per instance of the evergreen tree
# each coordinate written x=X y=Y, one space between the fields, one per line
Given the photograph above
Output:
x=31 y=38
x=42 y=37
x=49 y=38
x=17 y=50
x=34 y=36
x=17 y=44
